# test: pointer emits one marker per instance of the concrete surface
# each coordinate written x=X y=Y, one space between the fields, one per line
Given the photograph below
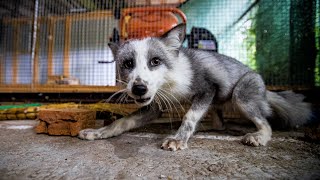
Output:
x=136 y=155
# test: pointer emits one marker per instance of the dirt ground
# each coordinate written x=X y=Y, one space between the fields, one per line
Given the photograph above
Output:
x=137 y=155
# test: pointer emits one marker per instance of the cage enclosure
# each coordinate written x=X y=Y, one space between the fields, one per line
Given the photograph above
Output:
x=61 y=46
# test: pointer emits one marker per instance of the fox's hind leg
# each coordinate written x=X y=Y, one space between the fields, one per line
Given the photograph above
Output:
x=217 y=118
x=249 y=96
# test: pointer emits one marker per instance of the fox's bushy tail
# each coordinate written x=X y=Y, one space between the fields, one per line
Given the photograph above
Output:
x=289 y=110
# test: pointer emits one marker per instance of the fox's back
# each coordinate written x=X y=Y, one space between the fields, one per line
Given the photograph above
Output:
x=214 y=71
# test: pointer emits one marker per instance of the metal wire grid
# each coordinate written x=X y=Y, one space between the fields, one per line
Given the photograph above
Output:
x=67 y=30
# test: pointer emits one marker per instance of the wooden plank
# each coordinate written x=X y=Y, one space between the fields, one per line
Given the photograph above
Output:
x=2 y=69
x=16 y=20
x=67 y=44
x=2 y=59
x=6 y=88
x=36 y=56
x=93 y=14
x=51 y=46
x=15 y=53
x=85 y=16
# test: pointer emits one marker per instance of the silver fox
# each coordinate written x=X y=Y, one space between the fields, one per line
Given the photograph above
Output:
x=159 y=71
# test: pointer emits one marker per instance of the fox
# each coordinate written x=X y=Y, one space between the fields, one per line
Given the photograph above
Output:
x=159 y=71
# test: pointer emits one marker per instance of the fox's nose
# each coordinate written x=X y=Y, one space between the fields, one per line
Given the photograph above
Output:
x=139 y=90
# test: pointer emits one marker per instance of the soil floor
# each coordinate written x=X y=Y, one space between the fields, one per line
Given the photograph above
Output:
x=137 y=155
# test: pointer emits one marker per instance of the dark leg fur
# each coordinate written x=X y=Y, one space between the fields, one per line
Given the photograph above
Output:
x=217 y=119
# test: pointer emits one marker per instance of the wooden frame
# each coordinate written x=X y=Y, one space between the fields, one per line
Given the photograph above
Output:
x=67 y=44
x=45 y=88
x=35 y=86
x=15 y=68
x=2 y=59
x=2 y=72
x=35 y=73
x=51 y=46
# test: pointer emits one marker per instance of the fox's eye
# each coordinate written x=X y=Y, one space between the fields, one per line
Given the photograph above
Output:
x=128 y=64
x=155 y=62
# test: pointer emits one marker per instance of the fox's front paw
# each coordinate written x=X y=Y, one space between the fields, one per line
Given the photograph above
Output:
x=256 y=139
x=89 y=134
x=173 y=144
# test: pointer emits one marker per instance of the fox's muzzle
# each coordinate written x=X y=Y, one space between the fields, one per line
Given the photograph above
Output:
x=139 y=90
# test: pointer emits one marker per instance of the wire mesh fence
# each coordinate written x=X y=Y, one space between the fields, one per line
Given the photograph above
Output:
x=61 y=45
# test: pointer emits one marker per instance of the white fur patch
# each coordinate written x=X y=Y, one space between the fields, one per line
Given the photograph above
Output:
x=141 y=62
x=180 y=77
x=152 y=79
x=176 y=81
x=194 y=116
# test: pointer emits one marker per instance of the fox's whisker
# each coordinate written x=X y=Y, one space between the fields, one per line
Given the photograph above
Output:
x=114 y=94
x=170 y=102
x=174 y=98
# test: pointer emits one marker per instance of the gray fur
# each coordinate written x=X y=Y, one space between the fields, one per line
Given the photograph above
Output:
x=213 y=80
x=157 y=52
x=139 y=118
x=214 y=71
x=290 y=108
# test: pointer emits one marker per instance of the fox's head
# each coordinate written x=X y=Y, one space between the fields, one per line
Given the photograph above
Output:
x=147 y=66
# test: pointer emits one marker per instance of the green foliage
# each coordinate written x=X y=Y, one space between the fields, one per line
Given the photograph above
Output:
x=317 y=36
x=250 y=42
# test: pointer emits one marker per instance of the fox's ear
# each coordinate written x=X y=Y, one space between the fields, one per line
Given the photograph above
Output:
x=175 y=37
x=114 y=48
